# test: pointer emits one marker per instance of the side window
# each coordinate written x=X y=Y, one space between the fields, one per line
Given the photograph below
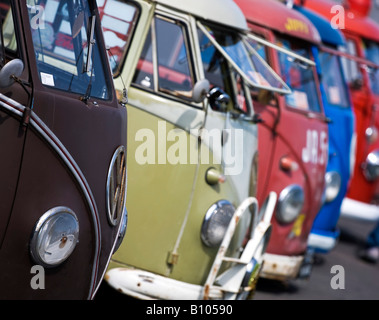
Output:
x=214 y=64
x=66 y=46
x=165 y=64
x=372 y=54
x=144 y=74
x=7 y=24
x=332 y=80
x=264 y=73
x=351 y=68
x=299 y=76
x=118 y=20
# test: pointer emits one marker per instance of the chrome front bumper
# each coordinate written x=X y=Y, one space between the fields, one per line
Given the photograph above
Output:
x=323 y=242
x=359 y=210
x=280 y=267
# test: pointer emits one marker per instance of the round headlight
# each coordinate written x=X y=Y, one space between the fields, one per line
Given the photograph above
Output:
x=55 y=237
x=216 y=222
x=332 y=185
x=290 y=203
x=371 y=166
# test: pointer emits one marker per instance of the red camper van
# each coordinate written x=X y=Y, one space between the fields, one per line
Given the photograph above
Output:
x=293 y=134
x=362 y=41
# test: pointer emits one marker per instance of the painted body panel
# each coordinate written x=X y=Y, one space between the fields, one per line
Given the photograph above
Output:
x=341 y=130
x=356 y=22
x=290 y=23
x=55 y=138
x=156 y=226
x=361 y=199
x=288 y=132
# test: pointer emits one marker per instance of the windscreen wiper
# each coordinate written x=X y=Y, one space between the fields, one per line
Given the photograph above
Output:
x=91 y=43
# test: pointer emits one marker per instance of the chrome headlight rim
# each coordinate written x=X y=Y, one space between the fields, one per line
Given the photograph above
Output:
x=371 y=134
x=333 y=183
x=43 y=226
x=371 y=166
x=118 y=162
x=281 y=214
x=209 y=218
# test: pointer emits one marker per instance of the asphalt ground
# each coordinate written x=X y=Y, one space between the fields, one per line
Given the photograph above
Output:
x=353 y=278
x=359 y=279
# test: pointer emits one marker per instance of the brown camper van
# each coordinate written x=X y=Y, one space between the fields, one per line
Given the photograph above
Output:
x=62 y=151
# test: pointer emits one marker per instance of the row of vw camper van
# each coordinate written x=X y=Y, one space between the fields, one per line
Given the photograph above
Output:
x=242 y=135
x=63 y=151
x=199 y=145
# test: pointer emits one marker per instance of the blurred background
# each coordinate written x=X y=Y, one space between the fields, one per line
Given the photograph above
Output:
x=361 y=278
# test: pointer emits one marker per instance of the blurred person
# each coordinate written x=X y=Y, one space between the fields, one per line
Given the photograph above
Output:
x=371 y=251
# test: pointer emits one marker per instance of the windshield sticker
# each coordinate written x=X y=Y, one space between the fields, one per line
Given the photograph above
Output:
x=47 y=79
x=334 y=95
x=298 y=99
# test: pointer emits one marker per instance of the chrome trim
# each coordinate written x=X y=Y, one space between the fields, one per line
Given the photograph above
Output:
x=37 y=228
x=122 y=231
x=282 y=196
x=332 y=178
x=371 y=166
x=230 y=281
x=114 y=249
x=371 y=134
x=116 y=186
x=283 y=50
x=209 y=214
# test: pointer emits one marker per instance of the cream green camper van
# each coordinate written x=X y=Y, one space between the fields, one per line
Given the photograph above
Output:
x=195 y=229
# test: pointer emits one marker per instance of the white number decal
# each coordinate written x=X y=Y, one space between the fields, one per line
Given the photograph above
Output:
x=316 y=149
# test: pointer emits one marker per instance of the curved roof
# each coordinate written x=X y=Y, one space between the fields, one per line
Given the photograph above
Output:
x=361 y=7
x=355 y=21
x=225 y=12
x=328 y=34
x=277 y=16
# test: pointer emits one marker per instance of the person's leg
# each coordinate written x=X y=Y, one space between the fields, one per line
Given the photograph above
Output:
x=371 y=252
x=373 y=237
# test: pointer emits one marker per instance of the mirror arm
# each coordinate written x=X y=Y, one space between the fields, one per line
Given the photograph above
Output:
x=23 y=83
x=256 y=118
x=27 y=110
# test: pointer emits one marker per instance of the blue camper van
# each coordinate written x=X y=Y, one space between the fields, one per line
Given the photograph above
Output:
x=338 y=109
